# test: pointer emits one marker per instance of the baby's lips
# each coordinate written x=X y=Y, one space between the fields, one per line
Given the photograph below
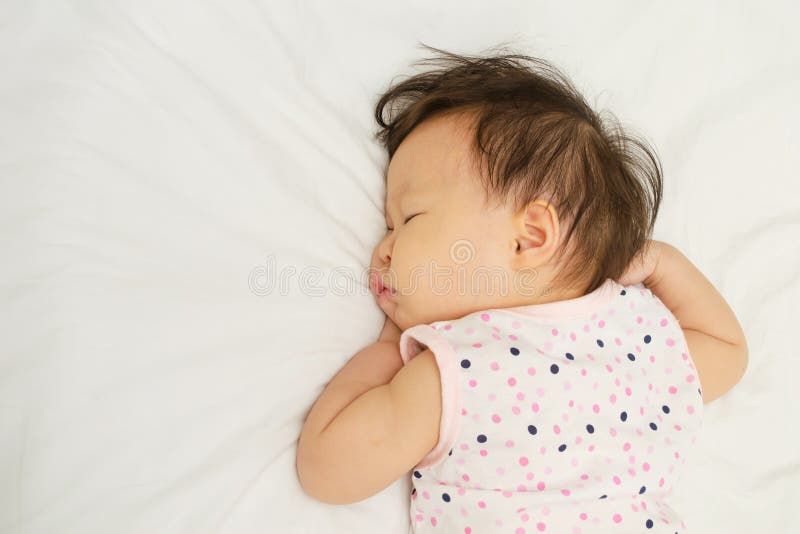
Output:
x=373 y=282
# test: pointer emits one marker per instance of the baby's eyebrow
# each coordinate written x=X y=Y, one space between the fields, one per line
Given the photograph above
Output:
x=403 y=197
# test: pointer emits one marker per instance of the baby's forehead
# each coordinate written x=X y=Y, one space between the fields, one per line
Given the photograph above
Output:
x=434 y=158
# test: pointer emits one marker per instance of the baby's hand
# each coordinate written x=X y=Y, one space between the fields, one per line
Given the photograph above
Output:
x=643 y=266
x=390 y=332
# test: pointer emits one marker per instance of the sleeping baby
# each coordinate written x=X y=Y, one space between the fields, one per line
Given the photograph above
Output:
x=544 y=363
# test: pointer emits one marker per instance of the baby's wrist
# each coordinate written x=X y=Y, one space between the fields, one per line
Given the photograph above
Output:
x=665 y=257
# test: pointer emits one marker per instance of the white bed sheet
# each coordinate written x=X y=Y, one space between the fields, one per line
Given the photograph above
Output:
x=157 y=158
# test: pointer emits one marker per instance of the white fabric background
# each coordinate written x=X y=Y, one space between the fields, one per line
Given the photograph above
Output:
x=153 y=155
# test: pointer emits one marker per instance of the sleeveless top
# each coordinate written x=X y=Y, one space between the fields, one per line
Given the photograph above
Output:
x=565 y=417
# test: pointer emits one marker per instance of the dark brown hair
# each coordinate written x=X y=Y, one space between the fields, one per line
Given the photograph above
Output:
x=535 y=134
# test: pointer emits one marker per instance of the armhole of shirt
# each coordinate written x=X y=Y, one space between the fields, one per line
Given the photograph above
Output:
x=413 y=341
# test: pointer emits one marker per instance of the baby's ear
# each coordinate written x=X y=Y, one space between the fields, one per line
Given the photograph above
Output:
x=536 y=229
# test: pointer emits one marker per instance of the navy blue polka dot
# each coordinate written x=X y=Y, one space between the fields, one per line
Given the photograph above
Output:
x=665 y=408
x=445 y=497
x=481 y=438
x=562 y=447
x=417 y=474
x=413 y=491
x=653 y=426
x=570 y=356
x=647 y=338
x=590 y=429
x=465 y=364
x=554 y=369
x=450 y=453
x=514 y=351
x=623 y=292
x=603 y=497
x=642 y=490
x=623 y=416
x=532 y=430
x=600 y=343
x=649 y=523
x=631 y=357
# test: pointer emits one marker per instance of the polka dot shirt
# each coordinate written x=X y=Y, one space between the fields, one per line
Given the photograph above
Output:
x=565 y=417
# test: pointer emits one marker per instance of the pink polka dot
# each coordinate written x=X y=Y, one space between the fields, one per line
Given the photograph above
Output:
x=541 y=526
x=469 y=330
x=540 y=486
x=646 y=466
x=523 y=461
x=572 y=336
x=495 y=418
x=612 y=399
x=419 y=517
x=554 y=331
x=535 y=407
x=531 y=371
x=512 y=381
x=433 y=521
x=467 y=530
x=583 y=516
x=465 y=477
x=663 y=322
x=673 y=390
x=510 y=443
x=529 y=475
x=516 y=324
x=473 y=383
x=477 y=345
x=596 y=408
x=494 y=366
x=601 y=324
x=565 y=492
x=512 y=337
x=670 y=342
x=520 y=396
x=485 y=317
x=515 y=410
x=617 y=518
x=519 y=530
x=524 y=517
x=639 y=319
x=448 y=326
x=617 y=480
x=690 y=378
x=484 y=452
x=556 y=429
x=481 y=504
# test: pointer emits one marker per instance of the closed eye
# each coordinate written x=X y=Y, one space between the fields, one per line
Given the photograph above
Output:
x=406 y=221
x=411 y=217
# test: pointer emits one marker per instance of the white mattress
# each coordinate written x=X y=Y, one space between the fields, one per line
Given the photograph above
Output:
x=157 y=157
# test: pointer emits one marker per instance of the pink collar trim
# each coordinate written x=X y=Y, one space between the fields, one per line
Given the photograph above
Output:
x=575 y=307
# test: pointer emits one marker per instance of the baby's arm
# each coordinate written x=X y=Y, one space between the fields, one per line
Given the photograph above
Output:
x=716 y=341
x=375 y=420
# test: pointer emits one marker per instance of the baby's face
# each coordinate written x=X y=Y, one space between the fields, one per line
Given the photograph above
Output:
x=446 y=251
